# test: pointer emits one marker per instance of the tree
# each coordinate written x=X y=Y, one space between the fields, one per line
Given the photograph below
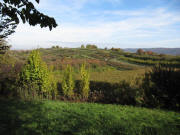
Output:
x=84 y=85
x=68 y=82
x=149 y=52
x=82 y=46
x=140 y=51
x=12 y=11
x=35 y=74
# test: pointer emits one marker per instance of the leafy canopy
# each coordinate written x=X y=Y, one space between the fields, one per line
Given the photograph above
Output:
x=12 y=11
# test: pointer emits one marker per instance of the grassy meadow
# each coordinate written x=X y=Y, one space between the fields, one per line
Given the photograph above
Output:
x=65 y=118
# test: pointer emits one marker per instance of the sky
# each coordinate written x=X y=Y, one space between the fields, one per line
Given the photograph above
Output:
x=106 y=23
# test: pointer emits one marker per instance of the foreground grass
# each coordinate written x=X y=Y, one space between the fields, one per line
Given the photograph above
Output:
x=60 y=118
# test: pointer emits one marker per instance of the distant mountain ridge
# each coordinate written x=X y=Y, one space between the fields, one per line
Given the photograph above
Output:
x=171 y=51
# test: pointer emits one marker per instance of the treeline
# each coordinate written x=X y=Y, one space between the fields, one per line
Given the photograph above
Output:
x=89 y=46
x=159 y=88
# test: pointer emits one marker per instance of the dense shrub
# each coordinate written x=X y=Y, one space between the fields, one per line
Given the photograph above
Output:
x=162 y=87
x=8 y=78
x=35 y=78
x=119 y=93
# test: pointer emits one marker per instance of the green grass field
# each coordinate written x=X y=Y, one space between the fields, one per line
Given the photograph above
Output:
x=60 y=118
x=111 y=76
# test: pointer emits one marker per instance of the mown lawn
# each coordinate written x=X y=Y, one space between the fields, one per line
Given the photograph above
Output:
x=60 y=118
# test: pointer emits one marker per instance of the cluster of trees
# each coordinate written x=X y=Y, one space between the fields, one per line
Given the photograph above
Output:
x=68 y=83
x=142 y=52
x=89 y=46
x=56 y=46
x=35 y=80
x=117 y=49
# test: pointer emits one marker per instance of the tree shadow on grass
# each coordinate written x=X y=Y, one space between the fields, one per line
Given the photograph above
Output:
x=19 y=117
x=35 y=118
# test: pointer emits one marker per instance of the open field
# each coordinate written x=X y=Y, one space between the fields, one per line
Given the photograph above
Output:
x=60 y=118
x=111 y=76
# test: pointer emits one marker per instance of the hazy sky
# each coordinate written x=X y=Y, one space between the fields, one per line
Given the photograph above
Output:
x=107 y=23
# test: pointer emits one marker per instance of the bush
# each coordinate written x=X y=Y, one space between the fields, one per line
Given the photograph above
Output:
x=118 y=93
x=162 y=87
x=8 y=77
x=35 y=77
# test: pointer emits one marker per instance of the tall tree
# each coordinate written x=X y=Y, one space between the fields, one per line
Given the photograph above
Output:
x=68 y=82
x=36 y=77
x=12 y=11
x=84 y=81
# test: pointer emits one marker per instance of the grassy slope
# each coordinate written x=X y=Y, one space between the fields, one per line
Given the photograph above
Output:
x=60 y=118
x=112 y=70
x=111 y=76
x=53 y=55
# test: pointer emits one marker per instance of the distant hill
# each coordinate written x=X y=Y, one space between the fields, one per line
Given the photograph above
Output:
x=171 y=51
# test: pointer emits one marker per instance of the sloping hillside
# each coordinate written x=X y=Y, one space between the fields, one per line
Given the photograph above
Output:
x=170 y=51
x=115 y=58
